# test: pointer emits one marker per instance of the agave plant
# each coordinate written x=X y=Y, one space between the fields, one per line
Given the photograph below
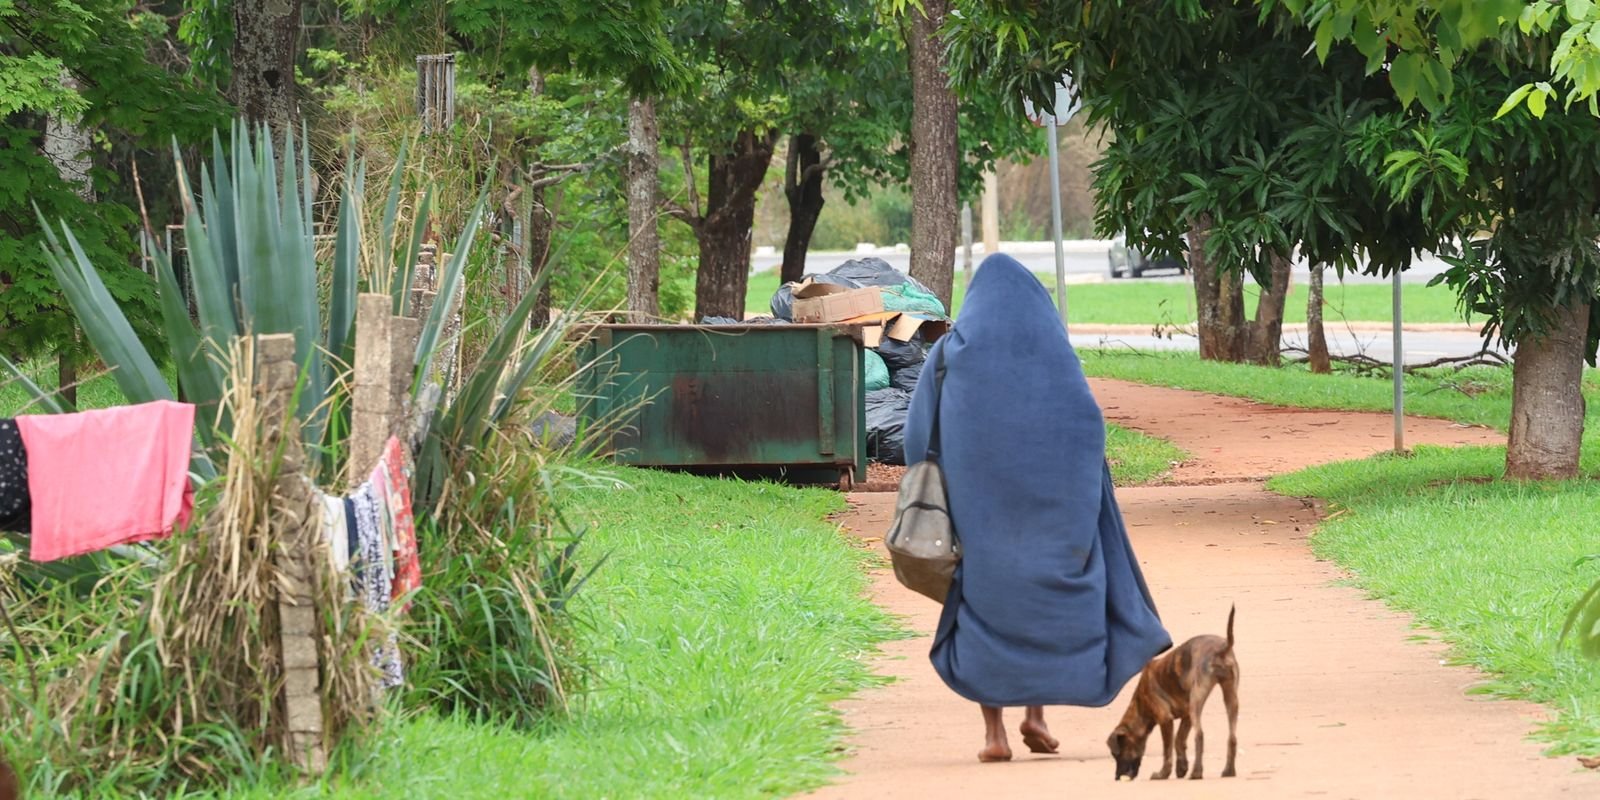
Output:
x=253 y=269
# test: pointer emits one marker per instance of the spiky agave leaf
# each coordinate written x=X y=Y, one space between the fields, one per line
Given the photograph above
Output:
x=106 y=327
x=449 y=288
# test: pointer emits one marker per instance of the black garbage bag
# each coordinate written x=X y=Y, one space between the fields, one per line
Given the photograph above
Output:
x=899 y=355
x=887 y=410
x=783 y=300
x=905 y=378
x=555 y=430
x=869 y=271
x=872 y=271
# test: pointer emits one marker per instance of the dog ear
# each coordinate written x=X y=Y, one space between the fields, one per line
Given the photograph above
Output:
x=1115 y=742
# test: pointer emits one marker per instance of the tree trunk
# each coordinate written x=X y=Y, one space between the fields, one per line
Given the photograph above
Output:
x=1218 y=300
x=644 y=239
x=67 y=143
x=266 y=44
x=1547 y=404
x=67 y=378
x=935 y=154
x=539 y=227
x=541 y=230
x=802 y=185
x=1266 y=334
x=1316 y=337
x=724 y=231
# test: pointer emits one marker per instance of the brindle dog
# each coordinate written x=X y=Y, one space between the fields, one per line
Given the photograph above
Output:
x=1175 y=687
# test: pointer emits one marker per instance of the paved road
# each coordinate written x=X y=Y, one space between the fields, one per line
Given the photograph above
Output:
x=1083 y=259
x=1419 y=346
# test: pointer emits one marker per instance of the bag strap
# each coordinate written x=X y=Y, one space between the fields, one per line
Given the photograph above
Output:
x=938 y=410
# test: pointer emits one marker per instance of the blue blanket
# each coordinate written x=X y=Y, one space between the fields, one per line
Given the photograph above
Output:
x=1048 y=606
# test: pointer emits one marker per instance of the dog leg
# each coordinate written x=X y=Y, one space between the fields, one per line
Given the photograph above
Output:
x=1230 y=698
x=1166 y=752
x=1183 y=748
x=1197 y=705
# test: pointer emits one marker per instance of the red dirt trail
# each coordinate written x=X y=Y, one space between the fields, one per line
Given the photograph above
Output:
x=1340 y=697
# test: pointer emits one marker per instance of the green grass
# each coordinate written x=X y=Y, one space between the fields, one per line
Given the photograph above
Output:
x=1491 y=566
x=1138 y=458
x=1477 y=395
x=1148 y=302
x=99 y=391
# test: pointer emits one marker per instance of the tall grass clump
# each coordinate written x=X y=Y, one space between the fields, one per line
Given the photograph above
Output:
x=181 y=684
x=505 y=554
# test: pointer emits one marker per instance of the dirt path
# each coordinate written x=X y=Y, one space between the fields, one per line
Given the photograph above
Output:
x=1338 y=697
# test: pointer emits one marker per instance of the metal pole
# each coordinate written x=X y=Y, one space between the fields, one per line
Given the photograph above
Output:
x=1055 y=217
x=966 y=242
x=1399 y=374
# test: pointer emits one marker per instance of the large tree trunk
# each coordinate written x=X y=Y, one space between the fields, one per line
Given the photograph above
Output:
x=1547 y=399
x=802 y=185
x=644 y=239
x=67 y=143
x=935 y=154
x=1266 y=334
x=1316 y=337
x=266 y=43
x=1218 y=300
x=724 y=231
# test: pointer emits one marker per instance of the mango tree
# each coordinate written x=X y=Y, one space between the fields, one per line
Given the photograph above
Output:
x=1521 y=193
x=1227 y=142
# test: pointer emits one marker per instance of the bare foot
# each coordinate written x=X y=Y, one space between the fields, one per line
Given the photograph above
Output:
x=1037 y=737
x=994 y=753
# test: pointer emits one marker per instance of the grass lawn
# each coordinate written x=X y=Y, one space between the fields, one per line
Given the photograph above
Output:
x=1491 y=566
x=1138 y=458
x=99 y=391
x=1478 y=395
x=1147 y=302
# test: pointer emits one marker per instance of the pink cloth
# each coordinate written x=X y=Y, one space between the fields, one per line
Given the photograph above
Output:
x=107 y=477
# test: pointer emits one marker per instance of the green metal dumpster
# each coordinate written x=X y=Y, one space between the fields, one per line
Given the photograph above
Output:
x=788 y=398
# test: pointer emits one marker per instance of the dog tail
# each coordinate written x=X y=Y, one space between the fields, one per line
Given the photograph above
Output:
x=1231 y=609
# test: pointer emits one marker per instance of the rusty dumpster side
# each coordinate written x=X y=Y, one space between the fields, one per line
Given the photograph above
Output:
x=738 y=396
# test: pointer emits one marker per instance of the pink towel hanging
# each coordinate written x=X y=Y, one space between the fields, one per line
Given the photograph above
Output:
x=108 y=477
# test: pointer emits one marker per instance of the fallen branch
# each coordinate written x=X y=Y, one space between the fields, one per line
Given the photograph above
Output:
x=1364 y=362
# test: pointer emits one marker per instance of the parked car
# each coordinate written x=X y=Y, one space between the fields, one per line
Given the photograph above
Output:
x=1129 y=262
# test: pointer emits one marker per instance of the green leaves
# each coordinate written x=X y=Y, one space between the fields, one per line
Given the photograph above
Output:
x=1584 y=618
x=1405 y=76
x=1536 y=95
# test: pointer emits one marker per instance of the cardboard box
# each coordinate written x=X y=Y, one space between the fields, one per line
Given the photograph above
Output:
x=826 y=302
x=905 y=326
x=898 y=326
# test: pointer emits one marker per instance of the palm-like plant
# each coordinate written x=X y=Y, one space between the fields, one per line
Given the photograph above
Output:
x=253 y=270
